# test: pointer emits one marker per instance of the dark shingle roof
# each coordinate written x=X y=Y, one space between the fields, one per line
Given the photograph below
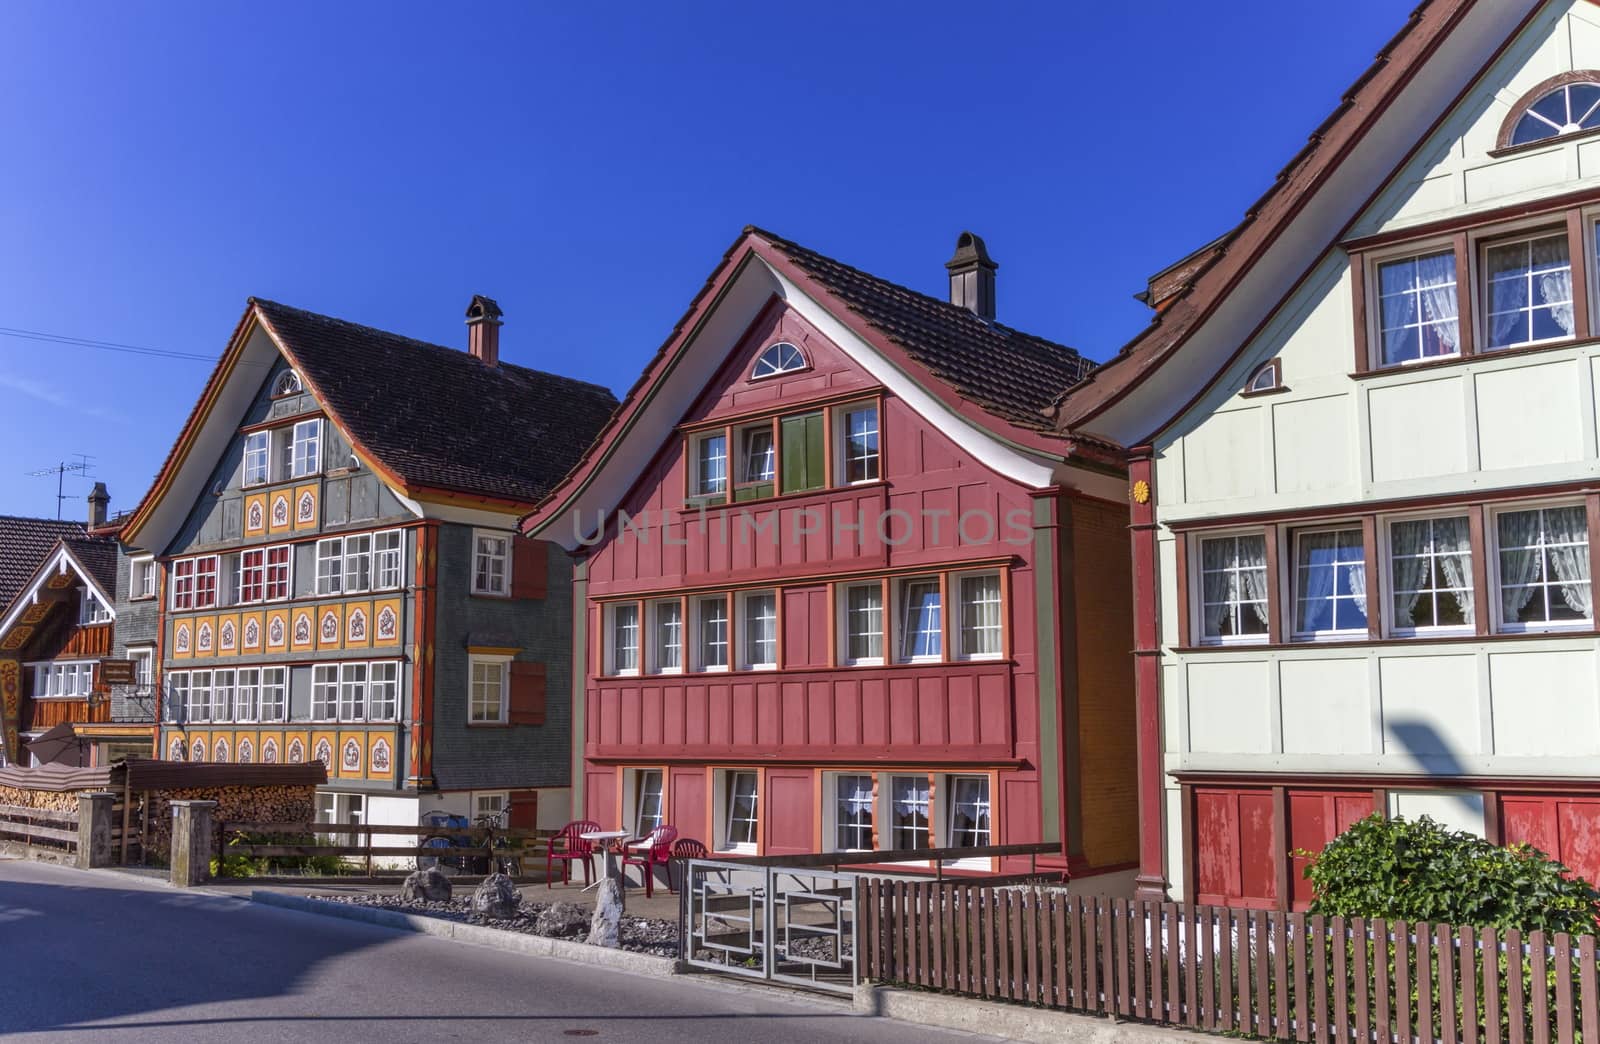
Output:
x=99 y=558
x=1013 y=375
x=436 y=416
x=24 y=543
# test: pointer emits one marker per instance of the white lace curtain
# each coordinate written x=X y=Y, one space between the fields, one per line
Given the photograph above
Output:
x=1234 y=570
x=1436 y=282
x=1510 y=295
x=1321 y=557
x=1452 y=546
x=910 y=796
x=855 y=795
x=1525 y=536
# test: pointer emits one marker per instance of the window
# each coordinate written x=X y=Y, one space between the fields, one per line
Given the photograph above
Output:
x=63 y=680
x=710 y=464
x=801 y=455
x=144 y=677
x=491 y=808
x=741 y=803
x=1417 y=308
x=222 y=696
x=357 y=563
x=1529 y=291
x=1565 y=110
x=1233 y=588
x=712 y=630
x=325 y=692
x=176 y=706
x=623 y=631
x=277 y=573
x=342 y=808
x=247 y=697
x=487 y=700
x=91 y=610
x=1543 y=563
x=252 y=583
x=666 y=641
x=969 y=812
x=383 y=692
x=757 y=463
x=863 y=624
x=183 y=584
x=141 y=578
x=205 y=582
x=782 y=357
x=1330 y=583
x=388 y=565
x=921 y=623
x=1430 y=563
x=859 y=426
x=908 y=813
x=199 y=696
x=758 y=627
x=330 y=566
x=647 y=801
x=288 y=383
x=853 y=813
x=352 y=692
x=978 y=600
x=274 y=693
x=257 y=458
x=1266 y=378
x=306 y=449
x=491 y=559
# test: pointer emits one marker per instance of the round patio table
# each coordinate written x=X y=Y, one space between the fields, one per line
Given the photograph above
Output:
x=605 y=839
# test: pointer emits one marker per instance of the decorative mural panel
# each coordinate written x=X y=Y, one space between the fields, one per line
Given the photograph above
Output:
x=322 y=747
x=255 y=514
x=304 y=629
x=175 y=749
x=247 y=750
x=380 y=756
x=219 y=749
x=357 y=625
x=183 y=639
x=351 y=755
x=227 y=634
x=305 y=507
x=18 y=637
x=35 y=613
x=197 y=749
x=296 y=748
x=205 y=636
x=251 y=624
x=329 y=624
x=279 y=509
x=386 y=622
x=10 y=706
x=278 y=630
x=271 y=749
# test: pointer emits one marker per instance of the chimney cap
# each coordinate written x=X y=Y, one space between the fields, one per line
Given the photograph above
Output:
x=483 y=309
x=99 y=494
x=970 y=253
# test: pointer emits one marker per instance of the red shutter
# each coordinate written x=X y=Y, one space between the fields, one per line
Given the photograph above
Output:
x=527 y=693
x=524 y=813
x=529 y=568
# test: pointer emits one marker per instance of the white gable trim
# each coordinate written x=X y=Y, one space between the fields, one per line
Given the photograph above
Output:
x=58 y=564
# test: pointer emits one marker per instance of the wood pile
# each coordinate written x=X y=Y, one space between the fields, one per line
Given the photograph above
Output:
x=273 y=804
x=54 y=801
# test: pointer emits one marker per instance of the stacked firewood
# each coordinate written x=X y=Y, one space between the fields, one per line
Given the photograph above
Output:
x=51 y=800
x=271 y=804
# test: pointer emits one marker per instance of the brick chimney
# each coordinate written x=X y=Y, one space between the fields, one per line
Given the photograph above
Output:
x=483 y=330
x=98 y=499
x=972 y=276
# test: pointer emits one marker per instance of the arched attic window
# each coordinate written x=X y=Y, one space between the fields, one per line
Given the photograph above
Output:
x=288 y=383
x=1268 y=377
x=1559 y=106
x=782 y=357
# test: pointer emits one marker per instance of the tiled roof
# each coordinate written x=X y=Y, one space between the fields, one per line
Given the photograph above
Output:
x=438 y=417
x=1013 y=375
x=99 y=558
x=24 y=543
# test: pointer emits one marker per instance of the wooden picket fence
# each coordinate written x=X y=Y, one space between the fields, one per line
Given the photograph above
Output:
x=1255 y=973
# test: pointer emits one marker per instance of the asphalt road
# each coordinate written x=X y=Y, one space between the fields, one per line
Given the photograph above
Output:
x=107 y=957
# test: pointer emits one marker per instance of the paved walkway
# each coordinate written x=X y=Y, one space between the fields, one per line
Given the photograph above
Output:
x=112 y=957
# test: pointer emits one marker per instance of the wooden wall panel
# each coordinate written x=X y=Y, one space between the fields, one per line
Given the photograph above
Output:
x=787 y=817
x=687 y=806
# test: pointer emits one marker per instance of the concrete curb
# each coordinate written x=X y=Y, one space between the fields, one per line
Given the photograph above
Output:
x=1012 y=1021
x=494 y=938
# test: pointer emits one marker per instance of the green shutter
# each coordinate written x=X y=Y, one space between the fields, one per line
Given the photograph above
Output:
x=802 y=448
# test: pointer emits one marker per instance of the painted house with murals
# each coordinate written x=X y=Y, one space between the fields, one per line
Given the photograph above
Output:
x=65 y=611
x=333 y=544
x=839 y=586
x=1366 y=475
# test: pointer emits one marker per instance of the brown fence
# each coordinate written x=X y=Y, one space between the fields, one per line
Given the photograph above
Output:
x=1245 y=972
x=53 y=833
x=515 y=848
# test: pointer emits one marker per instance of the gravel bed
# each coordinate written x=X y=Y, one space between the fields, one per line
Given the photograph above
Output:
x=639 y=934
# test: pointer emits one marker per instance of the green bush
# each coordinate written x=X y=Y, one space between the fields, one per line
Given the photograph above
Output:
x=232 y=864
x=1420 y=871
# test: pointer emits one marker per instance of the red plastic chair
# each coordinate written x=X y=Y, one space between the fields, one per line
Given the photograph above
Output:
x=685 y=848
x=653 y=851
x=565 y=846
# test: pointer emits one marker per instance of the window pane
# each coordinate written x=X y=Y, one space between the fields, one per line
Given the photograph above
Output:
x=980 y=615
x=1233 y=587
x=920 y=627
x=648 y=803
x=668 y=636
x=625 y=637
x=853 y=813
x=1529 y=291
x=969 y=812
x=760 y=623
x=861 y=444
x=742 y=807
x=1544 y=566
x=713 y=633
x=713 y=465
x=909 y=812
x=1417 y=308
x=864 y=622
x=1330 y=582
x=758 y=455
x=1431 y=572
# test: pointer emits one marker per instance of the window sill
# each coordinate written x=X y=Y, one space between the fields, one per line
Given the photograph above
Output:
x=1390 y=642
x=499 y=596
x=1483 y=355
x=1277 y=389
x=489 y=725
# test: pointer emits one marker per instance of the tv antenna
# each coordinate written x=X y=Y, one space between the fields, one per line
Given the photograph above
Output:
x=80 y=466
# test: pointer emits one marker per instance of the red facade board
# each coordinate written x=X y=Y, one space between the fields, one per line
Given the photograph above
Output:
x=1565 y=828
x=1315 y=818
x=790 y=816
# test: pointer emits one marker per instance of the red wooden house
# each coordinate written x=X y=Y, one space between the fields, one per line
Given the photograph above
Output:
x=841 y=588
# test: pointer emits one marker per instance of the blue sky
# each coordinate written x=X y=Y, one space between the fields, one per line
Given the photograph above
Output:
x=587 y=165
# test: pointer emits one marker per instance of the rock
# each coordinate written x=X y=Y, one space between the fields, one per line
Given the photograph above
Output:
x=561 y=919
x=428 y=885
x=497 y=897
x=605 y=928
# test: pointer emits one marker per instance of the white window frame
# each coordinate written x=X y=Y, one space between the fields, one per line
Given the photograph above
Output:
x=144 y=667
x=659 y=661
x=199 y=704
x=330 y=566
x=247 y=573
x=1409 y=251
x=844 y=624
x=62 y=679
x=142 y=578
x=697 y=610
x=958 y=636
x=777 y=367
x=900 y=619
x=609 y=623
x=841 y=441
x=257 y=458
x=947 y=799
x=1386 y=563
x=475 y=661
x=247 y=695
x=353 y=681
x=700 y=484
x=203 y=565
x=1527 y=233
x=486 y=581
x=496 y=803
x=1491 y=539
x=834 y=825
x=274 y=699
x=222 y=694
x=91 y=610
x=325 y=692
x=383 y=676
x=357 y=555
x=1336 y=634
x=635 y=781
x=175 y=700
x=388 y=559
x=889 y=831
x=286 y=568
x=305 y=448
x=741 y=633
x=742 y=436
x=1197 y=591
x=726 y=780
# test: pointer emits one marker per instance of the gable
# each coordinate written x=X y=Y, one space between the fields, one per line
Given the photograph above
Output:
x=827 y=370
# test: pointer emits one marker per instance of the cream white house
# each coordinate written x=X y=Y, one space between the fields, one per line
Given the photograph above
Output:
x=1366 y=496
